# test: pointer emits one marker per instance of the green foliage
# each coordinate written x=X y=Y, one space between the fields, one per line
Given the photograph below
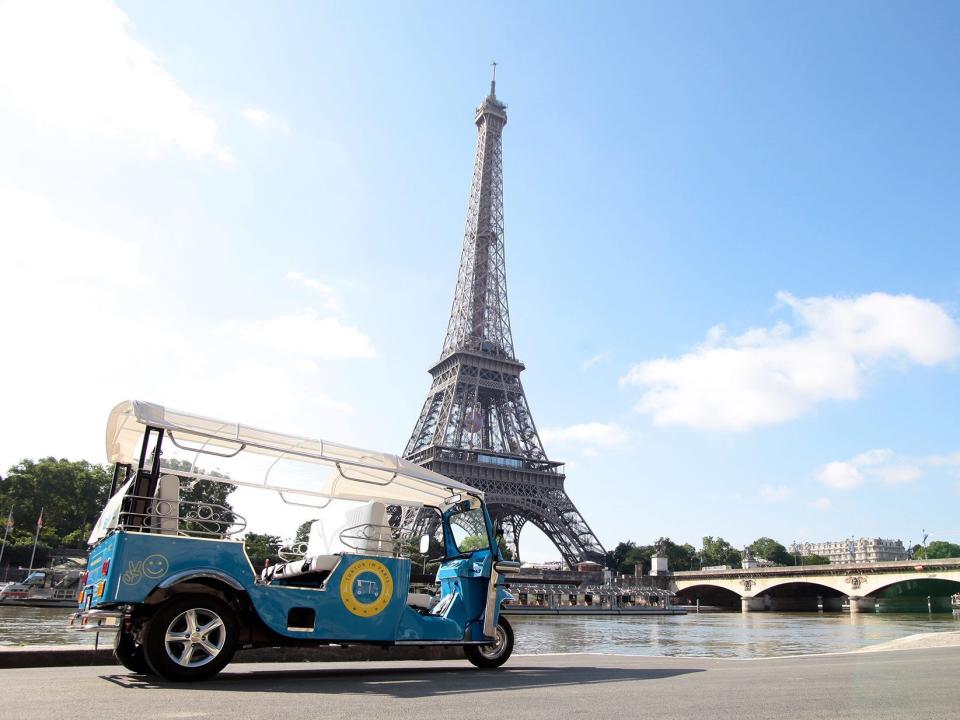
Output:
x=303 y=532
x=627 y=557
x=937 y=550
x=616 y=558
x=70 y=493
x=20 y=546
x=262 y=547
x=770 y=549
x=474 y=542
x=638 y=556
x=814 y=560
x=505 y=552
x=717 y=551
x=679 y=557
x=201 y=491
x=205 y=492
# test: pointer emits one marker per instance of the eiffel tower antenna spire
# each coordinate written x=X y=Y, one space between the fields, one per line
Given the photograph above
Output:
x=493 y=81
x=475 y=425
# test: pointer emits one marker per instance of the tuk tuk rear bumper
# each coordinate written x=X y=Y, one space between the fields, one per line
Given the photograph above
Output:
x=104 y=621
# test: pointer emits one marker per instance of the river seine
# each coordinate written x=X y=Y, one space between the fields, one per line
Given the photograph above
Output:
x=759 y=634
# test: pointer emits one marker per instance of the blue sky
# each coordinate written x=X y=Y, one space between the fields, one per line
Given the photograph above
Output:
x=744 y=215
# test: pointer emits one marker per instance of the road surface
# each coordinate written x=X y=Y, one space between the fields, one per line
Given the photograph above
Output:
x=919 y=683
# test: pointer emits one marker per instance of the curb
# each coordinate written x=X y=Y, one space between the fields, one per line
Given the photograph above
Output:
x=78 y=655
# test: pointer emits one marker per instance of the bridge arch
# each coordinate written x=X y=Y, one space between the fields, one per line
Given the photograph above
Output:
x=803 y=595
x=709 y=595
x=915 y=594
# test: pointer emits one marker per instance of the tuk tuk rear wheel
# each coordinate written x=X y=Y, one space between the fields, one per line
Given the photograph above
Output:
x=496 y=653
x=190 y=637
x=129 y=654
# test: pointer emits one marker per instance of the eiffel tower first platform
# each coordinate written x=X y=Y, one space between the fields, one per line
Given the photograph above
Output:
x=476 y=425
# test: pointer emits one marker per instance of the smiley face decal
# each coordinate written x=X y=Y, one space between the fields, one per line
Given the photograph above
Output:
x=155 y=566
x=152 y=566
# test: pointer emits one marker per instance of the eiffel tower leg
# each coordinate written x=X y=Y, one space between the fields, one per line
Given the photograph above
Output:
x=509 y=528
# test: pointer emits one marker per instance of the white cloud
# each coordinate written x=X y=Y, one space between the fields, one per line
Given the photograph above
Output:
x=78 y=337
x=821 y=503
x=898 y=474
x=328 y=296
x=263 y=120
x=594 y=434
x=772 y=375
x=304 y=333
x=775 y=494
x=948 y=460
x=39 y=245
x=598 y=358
x=840 y=475
x=872 y=458
x=880 y=465
x=75 y=65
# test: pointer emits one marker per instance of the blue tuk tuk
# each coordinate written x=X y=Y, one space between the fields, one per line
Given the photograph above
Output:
x=168 y=572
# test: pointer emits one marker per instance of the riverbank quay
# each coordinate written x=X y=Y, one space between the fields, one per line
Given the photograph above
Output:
x=874 y=686
x=533 y=610
x=38 y=656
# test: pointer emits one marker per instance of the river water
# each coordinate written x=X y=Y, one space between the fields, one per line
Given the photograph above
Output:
x=758 y=634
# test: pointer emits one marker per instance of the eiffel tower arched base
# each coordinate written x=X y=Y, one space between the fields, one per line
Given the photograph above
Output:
x=532 y=493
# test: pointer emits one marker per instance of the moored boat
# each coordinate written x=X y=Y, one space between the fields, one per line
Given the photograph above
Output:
x=47 y=587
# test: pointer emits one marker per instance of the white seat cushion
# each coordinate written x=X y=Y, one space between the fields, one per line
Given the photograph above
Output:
x=421 y=600
x=322 y=563
x=318 y=563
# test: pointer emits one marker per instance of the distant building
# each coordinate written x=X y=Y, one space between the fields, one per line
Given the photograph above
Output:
x=864 y=550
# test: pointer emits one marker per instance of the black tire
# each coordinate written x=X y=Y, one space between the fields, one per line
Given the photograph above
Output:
x=192 y=653
x=496 y=653
x=129 y=654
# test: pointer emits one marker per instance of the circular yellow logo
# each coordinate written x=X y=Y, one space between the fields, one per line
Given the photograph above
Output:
x=366 y=587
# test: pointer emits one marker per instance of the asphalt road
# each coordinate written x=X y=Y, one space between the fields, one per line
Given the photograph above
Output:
x=899 y=684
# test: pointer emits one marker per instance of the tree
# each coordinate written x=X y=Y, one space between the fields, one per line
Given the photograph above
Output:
x=814 y=560
x=939 y=549
x=679 y=557
x=770 y=549
x=616 y=558
x=717 y=551
x=638 y=556
x=201 y=491
x=303 y=532
x=262 y=547
x=71 y=493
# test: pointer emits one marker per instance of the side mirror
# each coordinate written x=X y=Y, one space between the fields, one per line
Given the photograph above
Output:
x=424 y=544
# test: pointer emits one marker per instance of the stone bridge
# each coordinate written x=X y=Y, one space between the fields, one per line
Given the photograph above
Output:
x=904 y=585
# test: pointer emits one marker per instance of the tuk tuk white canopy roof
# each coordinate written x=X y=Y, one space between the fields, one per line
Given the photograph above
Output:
x=355 y=474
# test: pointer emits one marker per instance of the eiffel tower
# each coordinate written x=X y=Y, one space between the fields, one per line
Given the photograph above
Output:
x=475 y=425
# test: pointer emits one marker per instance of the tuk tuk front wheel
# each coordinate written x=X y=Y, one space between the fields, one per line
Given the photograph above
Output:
x=191 y=637
x=496 y=653
x=129 y=654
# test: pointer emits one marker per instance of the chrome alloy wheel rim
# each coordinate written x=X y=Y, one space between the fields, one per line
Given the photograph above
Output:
x=495 y=649
x=195 y=637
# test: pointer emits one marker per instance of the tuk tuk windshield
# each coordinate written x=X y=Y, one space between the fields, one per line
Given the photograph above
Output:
x=110 y=516
x=468 y=528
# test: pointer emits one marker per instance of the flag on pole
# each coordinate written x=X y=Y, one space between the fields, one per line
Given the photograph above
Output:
x=40 y=520
x=10 y=520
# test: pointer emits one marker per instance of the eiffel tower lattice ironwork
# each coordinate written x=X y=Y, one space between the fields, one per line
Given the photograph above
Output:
x=476 y=425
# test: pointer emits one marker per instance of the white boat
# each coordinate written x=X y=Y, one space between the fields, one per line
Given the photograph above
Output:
x=47 y=587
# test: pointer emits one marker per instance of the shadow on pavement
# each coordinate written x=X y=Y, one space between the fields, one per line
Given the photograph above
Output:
x=403 y=682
